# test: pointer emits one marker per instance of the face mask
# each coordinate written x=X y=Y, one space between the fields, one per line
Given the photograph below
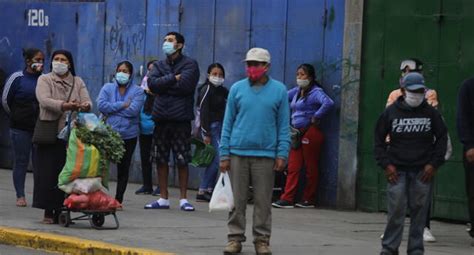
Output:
x=168 y=48
x=216 y=81
x=302 y=83
x=255 y=72
x=414 y=99
x=37 y=67
x=60 y=68
x=122 y=78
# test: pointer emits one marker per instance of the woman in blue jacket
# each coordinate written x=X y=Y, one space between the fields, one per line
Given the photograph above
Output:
x=20 y=103
x=308 y=104
x=120 y=102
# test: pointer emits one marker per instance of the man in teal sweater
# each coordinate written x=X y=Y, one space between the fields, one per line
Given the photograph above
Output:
x=255 y=142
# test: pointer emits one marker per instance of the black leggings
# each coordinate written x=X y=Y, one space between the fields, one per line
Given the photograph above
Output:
x=123 y=168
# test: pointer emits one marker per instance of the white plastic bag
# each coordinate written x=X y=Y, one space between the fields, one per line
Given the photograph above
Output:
x=222 y=198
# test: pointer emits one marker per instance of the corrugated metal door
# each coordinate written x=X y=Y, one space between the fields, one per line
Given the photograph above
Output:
x=398 y=30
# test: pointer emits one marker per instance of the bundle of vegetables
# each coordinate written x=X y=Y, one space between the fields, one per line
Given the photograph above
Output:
x=91 y=146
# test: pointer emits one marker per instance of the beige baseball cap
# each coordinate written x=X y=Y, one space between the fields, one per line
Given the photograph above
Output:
x=258 y=54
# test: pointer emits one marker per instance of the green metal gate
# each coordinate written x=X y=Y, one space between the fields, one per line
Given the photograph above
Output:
x=439 y=32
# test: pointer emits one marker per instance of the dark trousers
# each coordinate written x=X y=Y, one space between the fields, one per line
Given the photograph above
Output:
x=146 y=143
x=469 y=172
x=123 y=168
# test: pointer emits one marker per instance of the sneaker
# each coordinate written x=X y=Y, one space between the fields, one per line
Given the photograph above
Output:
x=305 y=204
x=262 y=248
x=204 y=197
x=156 y=192
x=143 y=191
x=233 y=247
x=427 y=236
x=283 y=204
x=381 y=236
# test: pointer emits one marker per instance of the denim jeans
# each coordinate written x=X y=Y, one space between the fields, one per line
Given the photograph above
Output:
x=409 y=192
x=22 y=146
x=208 y=178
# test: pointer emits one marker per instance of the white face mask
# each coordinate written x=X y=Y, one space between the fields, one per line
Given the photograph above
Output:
x=216 y=81
x=414 y=99
x=60 y=68
x=302 y=83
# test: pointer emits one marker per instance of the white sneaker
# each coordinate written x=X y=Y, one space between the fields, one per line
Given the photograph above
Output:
x=381 y=236
x=427 y=236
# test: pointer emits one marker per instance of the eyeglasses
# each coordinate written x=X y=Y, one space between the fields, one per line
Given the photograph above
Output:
x=410 y=63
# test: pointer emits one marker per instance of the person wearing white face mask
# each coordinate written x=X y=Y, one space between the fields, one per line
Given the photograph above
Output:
x=211 y=104
x=120 y=102
x=309 y=104
x=417 y=147
x=58 y=93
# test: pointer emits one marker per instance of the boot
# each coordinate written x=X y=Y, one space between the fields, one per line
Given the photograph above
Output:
x=262 y=247
x=233 y=247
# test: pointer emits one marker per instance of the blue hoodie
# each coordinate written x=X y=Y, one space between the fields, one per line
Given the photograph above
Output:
x=111 y=105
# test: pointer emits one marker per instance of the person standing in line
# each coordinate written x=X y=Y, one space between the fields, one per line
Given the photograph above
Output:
x=309 y=104
x=147 y=125
x=120 y=102
x=20 y=103
x=173 y=81
x=211 y=103
x=52 y=91
x=255 y=142
x=415 y=65
x=465 y=127
x=417 y=146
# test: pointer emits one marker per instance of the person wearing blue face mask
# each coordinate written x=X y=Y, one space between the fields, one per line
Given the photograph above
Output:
x=173 y=80
x=120 y=102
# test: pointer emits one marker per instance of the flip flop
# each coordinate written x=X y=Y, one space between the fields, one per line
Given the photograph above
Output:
x=156 y=205
x=21 y=202
x=187 y=207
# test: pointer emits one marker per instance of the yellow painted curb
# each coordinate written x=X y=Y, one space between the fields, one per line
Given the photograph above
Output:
x=67 y=244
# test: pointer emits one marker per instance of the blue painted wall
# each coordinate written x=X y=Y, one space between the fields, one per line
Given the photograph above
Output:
x=100 y=34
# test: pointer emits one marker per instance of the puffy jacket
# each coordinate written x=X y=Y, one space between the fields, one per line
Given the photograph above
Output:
x=111 y=104
x=175 y=99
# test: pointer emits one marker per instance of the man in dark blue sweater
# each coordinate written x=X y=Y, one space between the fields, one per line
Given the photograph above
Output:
x=173 y=81
x=418 y=139
x=465 y=125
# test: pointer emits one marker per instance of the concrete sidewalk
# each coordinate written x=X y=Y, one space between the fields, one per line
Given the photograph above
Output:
x=295 y=231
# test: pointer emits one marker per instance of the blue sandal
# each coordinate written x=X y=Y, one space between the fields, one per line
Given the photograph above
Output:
x=187 y=207
x=156 y=205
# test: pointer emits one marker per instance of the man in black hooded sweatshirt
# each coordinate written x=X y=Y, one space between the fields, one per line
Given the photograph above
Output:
x=416 y=149
x=465 y=125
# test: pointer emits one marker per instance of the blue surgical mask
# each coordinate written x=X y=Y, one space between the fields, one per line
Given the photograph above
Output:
x=122 y=78
x=168 y=48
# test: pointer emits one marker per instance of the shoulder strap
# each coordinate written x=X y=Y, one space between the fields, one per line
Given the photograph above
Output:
x=72 y=88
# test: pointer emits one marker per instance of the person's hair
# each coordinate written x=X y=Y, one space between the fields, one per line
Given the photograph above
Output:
x=214 y=65
x=30 y=53
x=149 y=63
x=69 y=58
x=311 y=72
x=179 y=37
x=127 y=64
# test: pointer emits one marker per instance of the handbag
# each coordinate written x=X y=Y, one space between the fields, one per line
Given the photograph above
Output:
x=46 y=131
x=295 y=137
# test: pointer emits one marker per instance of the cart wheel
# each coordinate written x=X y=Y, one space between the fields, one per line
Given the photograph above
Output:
x=64 y=219
x=98 y=219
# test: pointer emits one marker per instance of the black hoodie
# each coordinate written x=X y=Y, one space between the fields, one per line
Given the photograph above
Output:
x=418 y=136
x=465 y=114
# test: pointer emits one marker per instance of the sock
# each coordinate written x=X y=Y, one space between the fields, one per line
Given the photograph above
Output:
x=183 y=201
x=163 y=201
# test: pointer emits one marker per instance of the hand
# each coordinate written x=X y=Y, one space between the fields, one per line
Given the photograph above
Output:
x=470 y=155
x=207 y=139
x=224 y=165
x=127 y=104
x=315 y=121
x=85 y=107
x=70 y=106
x=178 y=77
x=391 y=174
x=428 y=173
x=279 y=164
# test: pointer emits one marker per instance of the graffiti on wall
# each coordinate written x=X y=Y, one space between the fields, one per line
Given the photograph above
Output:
x=125 y=43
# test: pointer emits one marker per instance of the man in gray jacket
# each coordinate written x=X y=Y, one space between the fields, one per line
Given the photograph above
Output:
x=174 y=81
